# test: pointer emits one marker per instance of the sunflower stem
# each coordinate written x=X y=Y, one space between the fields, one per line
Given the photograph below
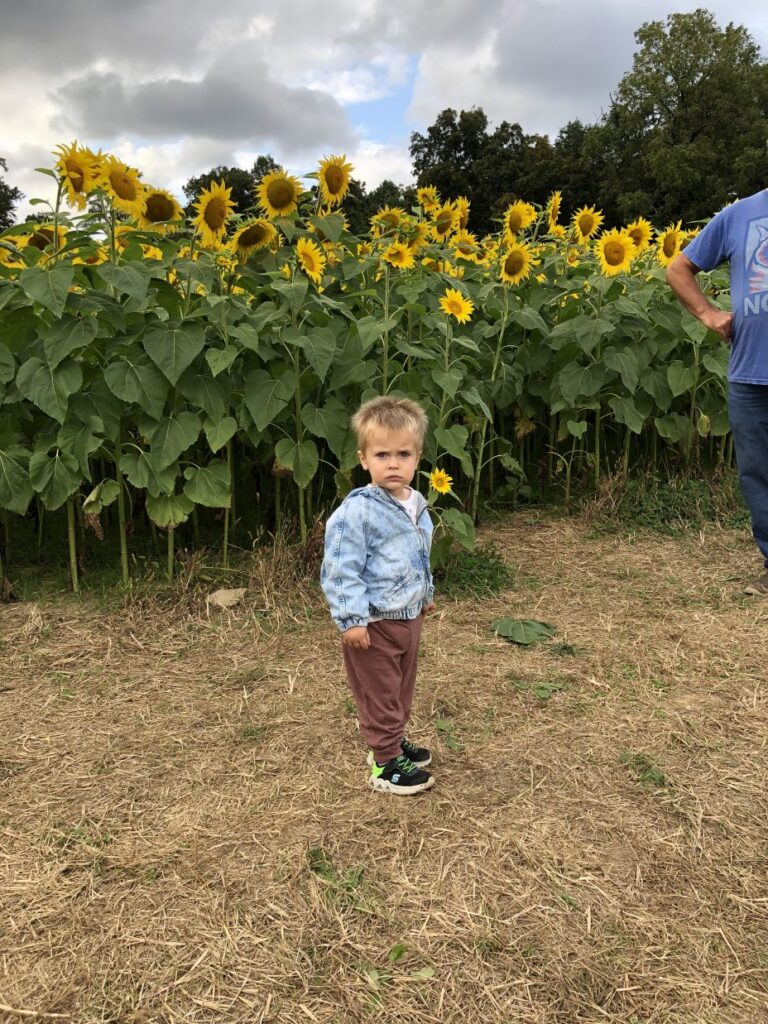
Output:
x=72 y=538
x=169 y=552
x=385 y=338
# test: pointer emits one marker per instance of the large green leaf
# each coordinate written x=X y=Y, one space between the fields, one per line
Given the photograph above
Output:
x=220 y=359
x=454 y=440
x=103 y=494
x=681 y=378
x=266 y=396
x=522 y=631
x=169 y=509
x=142 y=471
x=330 y=422
x=48 y=387
x=626 y=412
x=67 y=336
x=673 y=426
x=137 y=380
x=172 y=436
x=209 y=485
x=302 y=459
x=172 y=347
x=97 y=403
x=55 y=476
x=626 y=365
x=448 y=380
x=78 y=439
x=461 y=526
x=15 y=489
x=218 y=433
x=202 y=390
x=128 y=278
x=576 y=381
x=7 y=365
x=320 y=348
x=48 y=286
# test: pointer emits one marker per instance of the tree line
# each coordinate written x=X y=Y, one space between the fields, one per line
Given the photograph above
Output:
x=685 y=132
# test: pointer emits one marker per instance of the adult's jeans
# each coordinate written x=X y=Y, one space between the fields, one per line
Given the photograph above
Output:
x=748 y=413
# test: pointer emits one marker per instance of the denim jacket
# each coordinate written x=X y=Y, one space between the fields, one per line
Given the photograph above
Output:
x=376 y=562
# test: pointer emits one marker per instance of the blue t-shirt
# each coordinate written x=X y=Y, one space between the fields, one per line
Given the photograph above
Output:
x=739 y=234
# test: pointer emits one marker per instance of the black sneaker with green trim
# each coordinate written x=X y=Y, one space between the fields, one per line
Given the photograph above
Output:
x=420 y=756
x=399 y=776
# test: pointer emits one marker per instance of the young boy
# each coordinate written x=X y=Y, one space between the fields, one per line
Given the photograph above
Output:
x=377 y=581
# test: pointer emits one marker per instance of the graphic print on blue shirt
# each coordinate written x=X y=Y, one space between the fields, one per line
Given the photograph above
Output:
x=757 y=267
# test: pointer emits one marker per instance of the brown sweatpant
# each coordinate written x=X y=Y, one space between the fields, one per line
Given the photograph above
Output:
x=382 y=679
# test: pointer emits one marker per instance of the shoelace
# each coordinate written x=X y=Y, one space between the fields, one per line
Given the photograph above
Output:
x=409 y=749
x=405 y=764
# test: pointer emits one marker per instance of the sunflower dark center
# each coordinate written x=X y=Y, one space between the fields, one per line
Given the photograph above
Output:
x=215 y=213
x=158 y=208
x=443 y=222
x=466 y=248
x=42 y=238
x=76 y=175
x=463 y=219
x=514 y=222
x=670 y=244
x=586 y=223
x=514 y=263
x=636 y=235
x=334 y=179
x=614 y=253
x=280 y=193
x=256 y=234
x=123 y=185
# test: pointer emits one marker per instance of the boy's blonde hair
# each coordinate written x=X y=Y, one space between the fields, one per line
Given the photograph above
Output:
x=389 y=413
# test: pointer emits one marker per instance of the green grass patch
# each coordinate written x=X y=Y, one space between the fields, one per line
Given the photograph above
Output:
x=478 y=573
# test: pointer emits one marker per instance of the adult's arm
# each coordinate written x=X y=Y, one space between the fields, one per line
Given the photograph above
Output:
x=681 y=278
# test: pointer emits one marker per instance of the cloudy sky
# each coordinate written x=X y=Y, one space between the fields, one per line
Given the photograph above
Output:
x=175 y=87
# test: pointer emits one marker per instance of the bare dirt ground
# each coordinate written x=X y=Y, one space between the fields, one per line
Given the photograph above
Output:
x=186 y=834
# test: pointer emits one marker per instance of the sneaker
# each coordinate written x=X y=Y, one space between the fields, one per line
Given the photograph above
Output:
x=420 y=756
x=759 y=588
x=399 y=776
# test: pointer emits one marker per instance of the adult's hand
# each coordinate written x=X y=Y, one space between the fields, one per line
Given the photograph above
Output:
x=720 y=321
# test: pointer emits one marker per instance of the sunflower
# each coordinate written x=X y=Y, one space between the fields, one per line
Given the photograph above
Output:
x=465 y=246
x=453 y=303
x=641 y=232
x=554 y=203
x=122 y=185
x=586 y=221
x=253 y=235
x=213 y=210
x=688 y=236
x=517 y=260
x=556 y=230
x=364 y=250
x=517 y=217
x=334 y=179
x=445 y=220
x=427 y=198
x=44 y=236
x=388 y=219
x=461 y=206
x=94 y=256
x=615 y=250
x=278 y=193
x=440 y=481
x=400 y=256
x=311 y=259
x=669 y=242
x=78 y=170
x=160 y=211
x=417 y=237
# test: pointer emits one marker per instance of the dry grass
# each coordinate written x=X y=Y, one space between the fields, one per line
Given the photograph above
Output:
x=185 y=833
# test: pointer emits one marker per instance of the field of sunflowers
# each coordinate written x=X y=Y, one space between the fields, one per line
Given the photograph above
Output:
x=153 y=366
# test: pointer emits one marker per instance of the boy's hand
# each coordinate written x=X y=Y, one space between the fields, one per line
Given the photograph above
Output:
x=428 y=608
x=357 y=636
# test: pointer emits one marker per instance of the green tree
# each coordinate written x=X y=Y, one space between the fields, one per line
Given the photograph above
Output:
x=242 y=182
x=9 y=196
x=459 y=155
x=687 y=128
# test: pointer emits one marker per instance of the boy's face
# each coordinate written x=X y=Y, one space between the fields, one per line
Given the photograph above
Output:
x=391 y=457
